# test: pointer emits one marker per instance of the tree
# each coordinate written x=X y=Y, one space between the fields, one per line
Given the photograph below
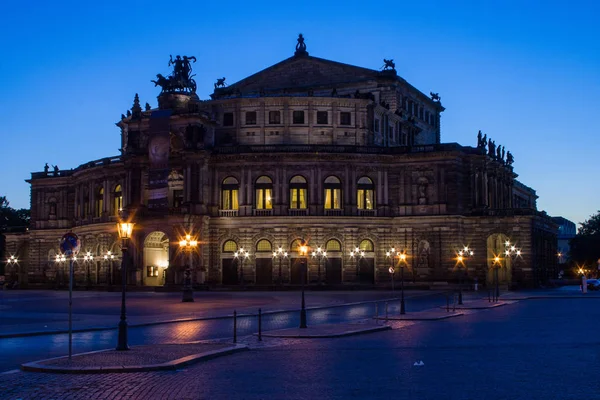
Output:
x=11 y=218
x=585 y=246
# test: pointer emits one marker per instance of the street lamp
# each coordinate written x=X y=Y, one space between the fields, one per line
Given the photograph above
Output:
x=60 y=259
x=496 y=266
x=87 y=258
x=125 y=229
x=514 y=254
x=319 y=254
x=461 y=259
x=241 y=255
x=391 y=253
x=109 y=256
x=358 y=253
x=188 y=245
x=13 y=262
x=303 y=252
x=281 y=254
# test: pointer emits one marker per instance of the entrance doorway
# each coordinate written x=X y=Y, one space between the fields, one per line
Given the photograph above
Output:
x=333 y=271
x=156 y=259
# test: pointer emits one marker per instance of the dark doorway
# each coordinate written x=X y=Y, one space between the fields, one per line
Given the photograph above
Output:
x=296 y=269
x=264 y=271
x=333 y=271
x=230 y=275
x=366 y=270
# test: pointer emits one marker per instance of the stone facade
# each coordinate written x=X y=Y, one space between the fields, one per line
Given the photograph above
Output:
x=308 y=149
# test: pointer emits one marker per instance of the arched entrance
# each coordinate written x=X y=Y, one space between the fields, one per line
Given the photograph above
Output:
x=264 y=262
x=366 y=264
x=156 y=259
x=333 y=262
x=228 y=263
x=496 y=248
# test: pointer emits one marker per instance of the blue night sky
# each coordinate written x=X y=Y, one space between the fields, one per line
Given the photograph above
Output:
x=527 y=75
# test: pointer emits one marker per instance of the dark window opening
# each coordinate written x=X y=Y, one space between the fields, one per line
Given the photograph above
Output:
x=345 y=118
x=322 y=117
x=298 y=117
x=228 y=119
x=251 y=118
x=274 y=117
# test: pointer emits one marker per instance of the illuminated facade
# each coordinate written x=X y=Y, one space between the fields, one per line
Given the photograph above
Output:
x=339 y=155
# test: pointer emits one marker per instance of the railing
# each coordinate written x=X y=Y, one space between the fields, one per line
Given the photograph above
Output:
x=367 y=213
x=262 y=212
x=298 y=212
x=228 y=213
x=69 y=172
x=334 y=212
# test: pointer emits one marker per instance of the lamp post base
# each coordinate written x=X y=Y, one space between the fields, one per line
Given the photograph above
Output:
x=122 y=343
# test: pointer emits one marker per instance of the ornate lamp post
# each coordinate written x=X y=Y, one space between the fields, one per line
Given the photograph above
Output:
x=188 y=245
x=281 y=254
x=14 y=263
x=496 y=266
x=241 y=255
x=60 y=259
x=125 y=229
x=402 y=264
x=358 y=253
x=109 y=257
x=87 y=259
x=461 y=259
x=319 y=254
x=303 y=253
x=514 y=254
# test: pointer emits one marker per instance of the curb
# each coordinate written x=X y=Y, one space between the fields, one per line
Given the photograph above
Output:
x=481 y=307
x=174 y=321
x=329 y=335
x=408 y=317
x=36 y=366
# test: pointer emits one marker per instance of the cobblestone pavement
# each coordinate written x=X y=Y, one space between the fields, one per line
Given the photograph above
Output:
x=533 y=349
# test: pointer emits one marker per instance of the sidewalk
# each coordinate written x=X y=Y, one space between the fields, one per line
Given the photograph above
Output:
x=174 y=356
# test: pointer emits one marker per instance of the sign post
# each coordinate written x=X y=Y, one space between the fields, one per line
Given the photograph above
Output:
x=70 y=245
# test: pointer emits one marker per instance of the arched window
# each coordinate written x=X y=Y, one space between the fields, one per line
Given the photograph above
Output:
x=118 y=200
x=365 y=198
x=229 y=246
x=333 y=193
x=295 y=246
x=229 y=194
x=98 y=202
x=264 y=245
x=298 y=190
x=333 y=245
x=366 y=245
x=264 y=193
x=52 y=206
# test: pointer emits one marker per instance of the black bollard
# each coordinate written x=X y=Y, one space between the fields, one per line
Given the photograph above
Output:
x=259 y=325
x=234 y=327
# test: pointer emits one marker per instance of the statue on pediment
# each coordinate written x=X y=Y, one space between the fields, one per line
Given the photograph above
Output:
x=435 y=96
x=509 y=158
x=389 y=64
x=220 y=82
x=301 y=46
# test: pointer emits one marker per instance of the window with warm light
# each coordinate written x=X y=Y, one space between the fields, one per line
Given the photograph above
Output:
x=229 y=246
x=229 y=194
x=298 y=190
x=366 y=245
x=365 y=198
x=99 y=202
x=333 y=193
x=264 y=245
x=264 y=193
x=333 y=245
x=117 y=200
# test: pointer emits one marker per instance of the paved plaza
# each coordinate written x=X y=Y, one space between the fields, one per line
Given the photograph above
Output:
x=544 y=347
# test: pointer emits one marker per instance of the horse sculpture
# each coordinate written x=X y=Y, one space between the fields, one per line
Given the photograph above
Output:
x=435 y=96
x=389 y=64
x=220 y=82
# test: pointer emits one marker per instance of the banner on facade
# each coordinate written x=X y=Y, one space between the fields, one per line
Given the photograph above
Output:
x=158 y=153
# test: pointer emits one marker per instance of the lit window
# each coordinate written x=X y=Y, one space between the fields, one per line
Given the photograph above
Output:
x=229 y=245
x=118 y=200
x=298 y=190
x=333 y=245
x=365 y=194
x=366 y=245
x=264 y=245
x=229 y=194
x=333 y=193
x=99 y=202
x=264 y=193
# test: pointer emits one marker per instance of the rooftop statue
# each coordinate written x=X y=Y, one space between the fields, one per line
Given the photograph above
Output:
x=435 y=96
x=220 y=82
x=301 y=46
x=180 y=81
x=389 y=64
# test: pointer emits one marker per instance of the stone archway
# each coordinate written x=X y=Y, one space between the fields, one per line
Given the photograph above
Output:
x=496 y=248
x=156 y=259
